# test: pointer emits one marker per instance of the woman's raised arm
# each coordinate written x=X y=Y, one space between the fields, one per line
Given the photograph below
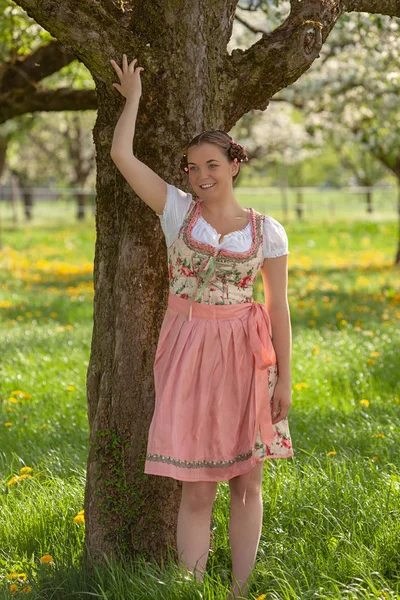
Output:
x=149 y=186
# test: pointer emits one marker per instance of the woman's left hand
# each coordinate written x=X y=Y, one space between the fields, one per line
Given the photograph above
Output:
x=282 y=401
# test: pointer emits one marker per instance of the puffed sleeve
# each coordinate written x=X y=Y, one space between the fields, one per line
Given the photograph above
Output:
x=175 y=209
x=275 y=241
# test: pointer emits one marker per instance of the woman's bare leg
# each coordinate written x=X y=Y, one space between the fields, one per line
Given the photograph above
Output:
x=245 y=525
x=194 y=525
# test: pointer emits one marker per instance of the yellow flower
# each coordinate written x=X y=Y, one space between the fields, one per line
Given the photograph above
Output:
x=26 y=589
x=13 y=480
x=13 y=588
x=80 y=518
x=379 y=435
x=8 y=424
x=44 y=425
x=81 y=512
x=13 y=400
x=374 y=458
x=261 y=597
x=21 y=576
x=53 y=314
x=26 y=470
x=331 y=453
x=364 y=402
x=370 y=361
x=46 y=559
x=375 y=354
x=299 y=386
x=70 y=388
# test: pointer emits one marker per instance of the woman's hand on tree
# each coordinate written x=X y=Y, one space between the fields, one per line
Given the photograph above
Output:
x=130 y=85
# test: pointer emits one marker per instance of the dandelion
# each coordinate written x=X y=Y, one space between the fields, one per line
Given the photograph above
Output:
x=261 y=597
x=80 y=518
x=13 y=400
x=370 y=361
x=364 y=402
x=8 y=424
x=375 y=458
x=13 y=481
x=44 y=425
x=299 y=386
x=53 y=314
x=13 y=588
x=70 y=388
x=21 y=576
x=25 y=470
x=26 y=589
x=379 y=435
x=375 y=354
x=46 y=559
x=331 y=453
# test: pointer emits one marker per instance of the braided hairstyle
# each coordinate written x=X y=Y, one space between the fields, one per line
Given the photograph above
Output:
x=232 y=150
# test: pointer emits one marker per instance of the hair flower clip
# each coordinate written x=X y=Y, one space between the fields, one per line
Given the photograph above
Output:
x=186 y=169
x=235 y=160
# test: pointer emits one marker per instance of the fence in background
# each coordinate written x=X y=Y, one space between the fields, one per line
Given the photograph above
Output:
x=288 y=204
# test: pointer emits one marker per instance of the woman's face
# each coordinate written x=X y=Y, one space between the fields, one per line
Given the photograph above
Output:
x=209 y=167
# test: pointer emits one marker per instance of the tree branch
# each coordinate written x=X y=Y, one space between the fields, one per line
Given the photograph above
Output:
x=15 y=104
x=249 y=27
x=27 y=71
x=274 y=62
x=382 y=7
x=100 y=31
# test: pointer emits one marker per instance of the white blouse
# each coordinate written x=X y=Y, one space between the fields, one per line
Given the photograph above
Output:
x=275 y=241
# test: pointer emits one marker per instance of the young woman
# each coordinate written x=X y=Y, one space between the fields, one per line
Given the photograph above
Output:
x=220 y=408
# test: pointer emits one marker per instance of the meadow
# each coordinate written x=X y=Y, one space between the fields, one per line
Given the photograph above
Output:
x=331 y=524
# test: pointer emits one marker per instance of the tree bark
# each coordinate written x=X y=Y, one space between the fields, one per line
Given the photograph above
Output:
x=190 y=84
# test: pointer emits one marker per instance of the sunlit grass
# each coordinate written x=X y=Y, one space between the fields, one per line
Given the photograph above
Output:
x=331 y=515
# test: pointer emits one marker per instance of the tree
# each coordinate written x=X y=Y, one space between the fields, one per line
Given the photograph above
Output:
x=191 y=83
x=353 y=96
x=29 y=55
x=42 y=149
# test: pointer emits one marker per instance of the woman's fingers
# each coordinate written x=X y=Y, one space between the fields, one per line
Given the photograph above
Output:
x=117 y=69
x=132 y=65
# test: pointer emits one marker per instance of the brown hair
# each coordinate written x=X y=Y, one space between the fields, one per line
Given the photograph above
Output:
x=223 y=141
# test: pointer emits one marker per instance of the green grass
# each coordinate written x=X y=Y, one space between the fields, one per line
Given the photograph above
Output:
x=331 y=524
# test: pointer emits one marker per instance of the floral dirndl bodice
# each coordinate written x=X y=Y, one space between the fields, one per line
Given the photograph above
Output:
x=212 y=275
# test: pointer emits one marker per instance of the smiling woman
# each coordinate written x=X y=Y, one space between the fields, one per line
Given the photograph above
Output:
x=221 y=401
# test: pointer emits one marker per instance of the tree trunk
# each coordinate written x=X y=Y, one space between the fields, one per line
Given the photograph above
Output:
x=370 y=208
x=27 y=197
x=300 y=204
x=81 y=205
x=397 y=260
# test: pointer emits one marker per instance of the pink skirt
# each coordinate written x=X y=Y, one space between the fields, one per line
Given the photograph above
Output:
x=214 y=376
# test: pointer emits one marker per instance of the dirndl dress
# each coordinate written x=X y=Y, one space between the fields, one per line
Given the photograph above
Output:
x=215 y=367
